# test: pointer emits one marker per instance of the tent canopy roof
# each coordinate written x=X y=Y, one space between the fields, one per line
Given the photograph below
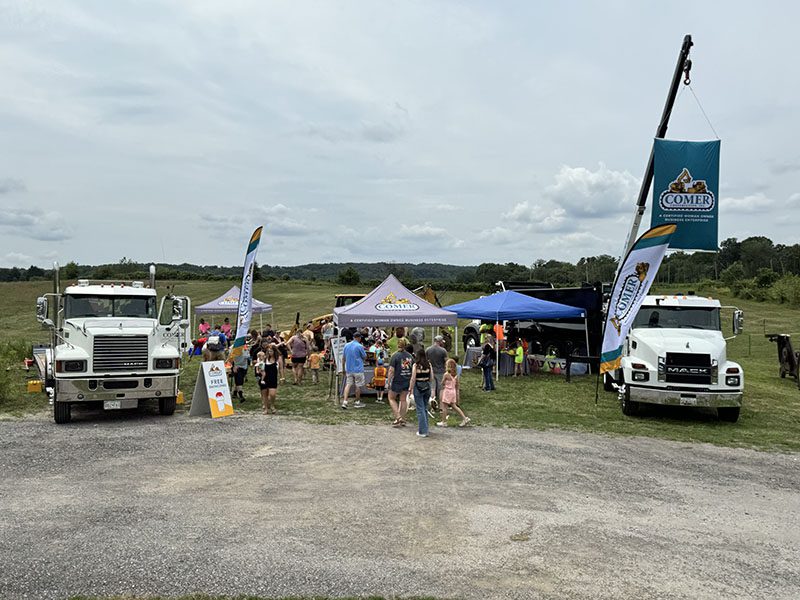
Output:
x=228 y=304
x=392 y=304
x=512 y=306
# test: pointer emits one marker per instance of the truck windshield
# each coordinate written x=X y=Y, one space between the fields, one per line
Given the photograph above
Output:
x=677 y=317
x=110 y=306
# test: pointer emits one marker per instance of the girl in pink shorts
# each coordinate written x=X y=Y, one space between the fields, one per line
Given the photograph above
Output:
x=451 y=394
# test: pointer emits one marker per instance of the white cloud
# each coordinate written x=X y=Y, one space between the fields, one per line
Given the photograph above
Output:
x=34 y=223
x=16 y=259
x=754 y=203
x=280 y=221
x=590 y=194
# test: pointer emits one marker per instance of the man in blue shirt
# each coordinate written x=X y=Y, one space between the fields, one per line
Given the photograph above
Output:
x=354 y=355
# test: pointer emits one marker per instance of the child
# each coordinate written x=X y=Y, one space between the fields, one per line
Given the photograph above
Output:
x=267 y=373
x=486 y=363
x=314 y=362
x=519 y=358
x=379 y=380
x=451 y=394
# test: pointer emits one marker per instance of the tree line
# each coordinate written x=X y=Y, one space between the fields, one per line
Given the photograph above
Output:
x=755 y=260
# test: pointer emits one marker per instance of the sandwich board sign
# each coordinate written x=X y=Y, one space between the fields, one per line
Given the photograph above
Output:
x=337 y=349
x=211 y=393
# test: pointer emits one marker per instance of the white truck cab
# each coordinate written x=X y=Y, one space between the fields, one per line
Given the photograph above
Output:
x=112 y=345
x=675 y=354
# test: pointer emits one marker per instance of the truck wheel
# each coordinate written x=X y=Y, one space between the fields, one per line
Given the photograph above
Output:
x=729 y=414
x=471 y=340
x=630 y=407
x=166 y=406
x=61 y=412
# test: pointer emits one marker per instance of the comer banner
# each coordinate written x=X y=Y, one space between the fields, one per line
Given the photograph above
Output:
x=638 y=271
x=246 y=295
x=686 y=192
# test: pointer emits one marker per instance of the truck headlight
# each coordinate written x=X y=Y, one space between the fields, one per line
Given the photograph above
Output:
x=166 y=363
x=70 y=366
x=641 y=376
x=732 y=380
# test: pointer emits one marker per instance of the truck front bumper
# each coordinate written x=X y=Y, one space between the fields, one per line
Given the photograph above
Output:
x=116 y=388
x=706 y=399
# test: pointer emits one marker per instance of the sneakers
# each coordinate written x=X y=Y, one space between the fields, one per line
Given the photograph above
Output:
x=441 y=424
x=358 y=404
x=465 y=422
x=344 y=405
x=422 y=434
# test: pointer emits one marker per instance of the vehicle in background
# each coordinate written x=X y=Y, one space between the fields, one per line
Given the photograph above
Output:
x=555 y=338
x=675 y=354
x=111 y=345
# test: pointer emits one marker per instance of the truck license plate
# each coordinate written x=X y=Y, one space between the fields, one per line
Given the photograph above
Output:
x=112 y=404
x=688 y=400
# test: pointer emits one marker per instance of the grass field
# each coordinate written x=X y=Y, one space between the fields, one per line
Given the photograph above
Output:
x=770 y=417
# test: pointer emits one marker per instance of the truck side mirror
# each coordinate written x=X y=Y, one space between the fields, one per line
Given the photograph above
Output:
x=41 y=309
x=179 y=306
x=738 y=322
x=177 y=309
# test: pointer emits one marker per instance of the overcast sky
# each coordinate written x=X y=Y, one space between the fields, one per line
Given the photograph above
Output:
x=458 y=132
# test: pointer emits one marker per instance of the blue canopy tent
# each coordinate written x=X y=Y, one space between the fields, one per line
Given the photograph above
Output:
x=513 y=306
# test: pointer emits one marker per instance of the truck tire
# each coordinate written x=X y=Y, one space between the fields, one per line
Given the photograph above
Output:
x=630 y=408
x=62 y=412
x=471 y=340
x=729 y=414
x=166 y=406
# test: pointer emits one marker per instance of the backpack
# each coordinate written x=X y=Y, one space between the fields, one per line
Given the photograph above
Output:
x=214 y=343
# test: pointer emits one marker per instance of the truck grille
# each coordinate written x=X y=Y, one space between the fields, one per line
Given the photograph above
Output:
x=120 y=353
x=680 y=367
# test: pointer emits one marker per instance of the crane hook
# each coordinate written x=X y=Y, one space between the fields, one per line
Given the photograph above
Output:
x=687 y=67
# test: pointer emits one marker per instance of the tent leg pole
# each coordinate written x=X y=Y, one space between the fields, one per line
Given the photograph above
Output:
x=497 y=351
x=586 y=329
x=455 y=342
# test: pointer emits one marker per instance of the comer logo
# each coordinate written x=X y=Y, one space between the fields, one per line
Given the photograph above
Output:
x=686 y=193
x=392 y=303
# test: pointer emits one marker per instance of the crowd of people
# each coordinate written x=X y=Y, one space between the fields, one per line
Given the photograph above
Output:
x=403 y=367
x=427 y=375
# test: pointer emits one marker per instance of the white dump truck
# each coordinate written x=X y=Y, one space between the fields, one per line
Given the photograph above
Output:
x=111 y=345
x=675 y=354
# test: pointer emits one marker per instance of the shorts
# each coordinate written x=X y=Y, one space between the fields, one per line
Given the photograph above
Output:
x=379 y=388
x=298 y=360
x=355 y=379
x=399 y=387
x=239 y=375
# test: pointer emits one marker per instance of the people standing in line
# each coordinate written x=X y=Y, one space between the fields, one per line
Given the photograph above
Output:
x=314 y=362
x=239 y=369
x=437 y=356
x=215 y=346
x=353 y=355
x=267 y=373
x=486 y=363
x=451 y=394
x=421 y=375
x=379 y=380
x=298 y=346
x=399 y=378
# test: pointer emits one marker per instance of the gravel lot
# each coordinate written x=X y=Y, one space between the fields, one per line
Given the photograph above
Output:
x=139 y=504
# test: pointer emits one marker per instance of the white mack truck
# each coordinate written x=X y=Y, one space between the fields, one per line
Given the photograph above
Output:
x=675 y=354
x=111 y=345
